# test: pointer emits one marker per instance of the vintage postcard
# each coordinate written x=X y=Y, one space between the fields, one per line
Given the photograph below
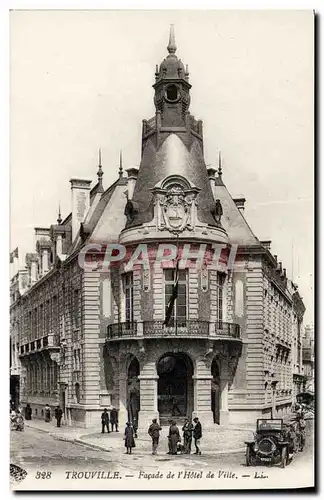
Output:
x=161 y=290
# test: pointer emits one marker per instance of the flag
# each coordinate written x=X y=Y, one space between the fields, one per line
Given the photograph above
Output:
x=13 y=255
x=174 y=295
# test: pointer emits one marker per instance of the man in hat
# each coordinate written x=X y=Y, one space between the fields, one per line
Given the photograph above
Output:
x=154 y=432
x=105 y=421
x=197 y=434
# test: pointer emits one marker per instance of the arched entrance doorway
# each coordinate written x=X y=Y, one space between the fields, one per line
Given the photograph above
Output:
x=215 y=390
x=175 y=386
x=133 y=390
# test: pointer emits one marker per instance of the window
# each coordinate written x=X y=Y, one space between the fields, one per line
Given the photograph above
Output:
x=76 y=309
x=172 y=93
x=47 y=318
x=35 y=324
x=76 y=359
x=179 y=312
x=41 y=321
x=128 y=290
x=219 y=288
x=55 y=315
x=77 y=392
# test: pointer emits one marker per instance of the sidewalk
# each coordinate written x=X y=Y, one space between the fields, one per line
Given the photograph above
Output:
x=229 y=439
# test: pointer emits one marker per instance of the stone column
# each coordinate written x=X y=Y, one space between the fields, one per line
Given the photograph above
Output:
x=122 y=411
x=224 y=377
x=202 y=400
x=202 y=393
x=223 y=412
x=148 y=396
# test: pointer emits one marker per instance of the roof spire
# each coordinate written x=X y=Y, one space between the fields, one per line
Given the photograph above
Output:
x=100 y=188
x=220 y=171
x=120 y=163
x=59 y=217
x=172 y=45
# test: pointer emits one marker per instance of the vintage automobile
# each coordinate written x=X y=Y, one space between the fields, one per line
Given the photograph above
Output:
x=273 y=443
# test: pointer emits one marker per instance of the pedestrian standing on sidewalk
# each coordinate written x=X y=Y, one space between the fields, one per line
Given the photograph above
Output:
x=187 y=435
x=104 y=421
x=58 y=415
x=174 y=438
x=154 y=432
x=129 y=438
x=47 y=413
x=114 y=419
x=197 y=434
x=28 y=412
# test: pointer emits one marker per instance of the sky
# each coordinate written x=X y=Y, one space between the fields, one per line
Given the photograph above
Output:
x=82 y=80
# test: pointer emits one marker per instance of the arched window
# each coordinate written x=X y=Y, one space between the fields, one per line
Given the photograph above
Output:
x=77 y=392
x=172 y=93
x=175 y=181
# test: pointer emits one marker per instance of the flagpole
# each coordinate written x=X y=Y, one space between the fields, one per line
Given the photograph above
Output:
x=175 y=309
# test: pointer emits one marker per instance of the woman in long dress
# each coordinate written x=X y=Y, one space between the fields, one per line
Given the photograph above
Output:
x=174 y=437
x=129 y=438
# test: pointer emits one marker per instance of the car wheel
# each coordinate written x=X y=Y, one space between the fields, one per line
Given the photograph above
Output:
x=248 y=456
x=284 y=460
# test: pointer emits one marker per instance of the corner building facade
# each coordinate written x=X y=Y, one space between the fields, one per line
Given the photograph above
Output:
x=98 y=337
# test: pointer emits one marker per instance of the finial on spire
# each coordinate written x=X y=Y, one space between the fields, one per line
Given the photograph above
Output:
x=172 y=45
x=100 y=188
x=59 y=217
x=120 y=164
x=220 y=171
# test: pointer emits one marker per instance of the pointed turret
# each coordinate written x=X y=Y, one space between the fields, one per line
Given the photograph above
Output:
x=172 y=45
x=100 y=188
x=59 y=217
x=120 y=164
x=172 y=153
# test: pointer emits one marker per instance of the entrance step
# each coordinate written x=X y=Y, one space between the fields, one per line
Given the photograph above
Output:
x=164 y=420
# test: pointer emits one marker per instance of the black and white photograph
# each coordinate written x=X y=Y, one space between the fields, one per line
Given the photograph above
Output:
x=162 y=327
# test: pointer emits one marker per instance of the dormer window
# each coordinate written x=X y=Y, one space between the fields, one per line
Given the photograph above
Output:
x=172 y=93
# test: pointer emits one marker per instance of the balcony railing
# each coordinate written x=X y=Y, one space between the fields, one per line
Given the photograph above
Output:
x=191 y=328
x=228 y=329
x=120 y=330
x=186 y=328
x=51 y=341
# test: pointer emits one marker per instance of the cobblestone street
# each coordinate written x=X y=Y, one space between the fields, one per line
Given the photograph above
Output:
x=37 y=451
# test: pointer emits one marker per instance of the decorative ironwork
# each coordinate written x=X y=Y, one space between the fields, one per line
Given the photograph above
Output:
x=120 y=330
x=179 y=328
x=225 y=329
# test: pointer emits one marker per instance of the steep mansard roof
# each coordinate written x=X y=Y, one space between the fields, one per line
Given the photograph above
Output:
x=233 y=221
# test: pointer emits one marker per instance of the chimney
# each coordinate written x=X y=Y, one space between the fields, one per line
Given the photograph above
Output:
x=43 y=246
x=32 y=262
x=266 y=244
x=275 y=257
x=240 y=202
x=131 y=181
x=23 y=281
x=212 y=178
x=80 y=189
